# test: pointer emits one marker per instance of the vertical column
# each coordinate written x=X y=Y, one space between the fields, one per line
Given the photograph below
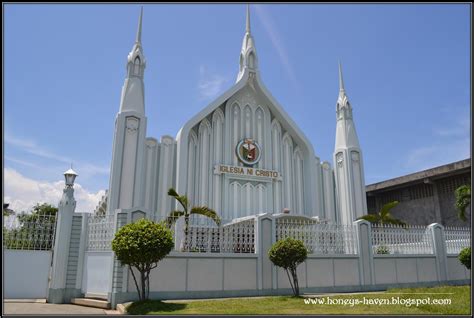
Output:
x=263 y=242
x=366 y=258
x=62 y=240
x=439 y=249
x=117 y=268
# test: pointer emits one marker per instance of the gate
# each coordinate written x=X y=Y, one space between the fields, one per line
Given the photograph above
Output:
x=28 y=242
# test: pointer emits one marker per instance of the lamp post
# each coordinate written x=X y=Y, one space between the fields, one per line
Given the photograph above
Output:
x=58 y=291
x=70 y=176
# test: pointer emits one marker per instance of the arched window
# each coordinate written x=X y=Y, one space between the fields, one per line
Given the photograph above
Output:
x=136 y=66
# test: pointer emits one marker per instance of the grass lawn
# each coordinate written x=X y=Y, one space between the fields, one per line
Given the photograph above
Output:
x=459 y=296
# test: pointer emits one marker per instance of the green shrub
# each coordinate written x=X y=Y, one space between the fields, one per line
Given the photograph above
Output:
x=465 y=257
x=288 y=254
x=382 y=249
x=142 y=245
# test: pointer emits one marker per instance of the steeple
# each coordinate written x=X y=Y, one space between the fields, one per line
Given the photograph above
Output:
x=348 y=162
x=139 y=31
x=247 y=20
x=248 y=53
x=343 y=107
x=341 y=80
x=133 y=88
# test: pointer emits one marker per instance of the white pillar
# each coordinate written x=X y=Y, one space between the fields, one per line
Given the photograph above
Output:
x=57 y=289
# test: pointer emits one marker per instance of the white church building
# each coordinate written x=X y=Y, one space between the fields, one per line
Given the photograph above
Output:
x=241 y=155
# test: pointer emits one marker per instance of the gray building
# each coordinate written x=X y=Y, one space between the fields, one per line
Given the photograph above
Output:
x=425 y=197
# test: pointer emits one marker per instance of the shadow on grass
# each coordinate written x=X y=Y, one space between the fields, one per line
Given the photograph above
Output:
x=149 y=306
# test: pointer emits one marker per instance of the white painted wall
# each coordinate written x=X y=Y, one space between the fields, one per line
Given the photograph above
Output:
x=26 y=274
x=97 y=272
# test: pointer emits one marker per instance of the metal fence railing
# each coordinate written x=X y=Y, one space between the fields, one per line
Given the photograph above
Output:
x=29 y=231
x=399 y=239
x=100 y=232
x=204 y=235
x=319 y=238
x=457 y=238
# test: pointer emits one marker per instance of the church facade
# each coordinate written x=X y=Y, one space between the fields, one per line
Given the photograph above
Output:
x=241 y=155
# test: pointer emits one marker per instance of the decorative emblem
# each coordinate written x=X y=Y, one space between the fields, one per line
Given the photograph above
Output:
x=248 y=151
x=339 y=159
x=131 y=124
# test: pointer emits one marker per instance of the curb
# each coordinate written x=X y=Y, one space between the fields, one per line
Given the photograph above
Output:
x=122 y=308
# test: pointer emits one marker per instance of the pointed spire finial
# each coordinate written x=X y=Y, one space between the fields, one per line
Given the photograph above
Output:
x=247 y=22
x=139 y=31
x=341 y=80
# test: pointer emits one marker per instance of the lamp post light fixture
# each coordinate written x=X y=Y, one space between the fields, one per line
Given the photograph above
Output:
x=70 y=176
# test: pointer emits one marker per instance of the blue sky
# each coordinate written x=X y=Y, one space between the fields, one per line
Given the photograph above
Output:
x=406 y=72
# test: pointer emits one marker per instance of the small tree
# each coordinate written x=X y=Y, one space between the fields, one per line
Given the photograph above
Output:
x=288 y=254
x=142 y=245
x=465 y=257
x=383 y=216
x=187 y=211
x=463 y=199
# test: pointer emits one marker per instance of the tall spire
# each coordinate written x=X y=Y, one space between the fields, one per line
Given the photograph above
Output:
x=247 y=22
x=248 y=54
x=139 y=31
x=341 y=80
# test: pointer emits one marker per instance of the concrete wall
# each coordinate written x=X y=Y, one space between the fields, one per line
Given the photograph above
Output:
x=97 y=273
x=26 y=273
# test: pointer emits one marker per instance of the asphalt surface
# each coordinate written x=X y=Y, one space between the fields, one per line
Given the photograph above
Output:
x=24 y=308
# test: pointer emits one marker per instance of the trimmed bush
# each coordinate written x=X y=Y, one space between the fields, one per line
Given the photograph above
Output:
x=142 y=245
x=465 y=257
x=288 y=254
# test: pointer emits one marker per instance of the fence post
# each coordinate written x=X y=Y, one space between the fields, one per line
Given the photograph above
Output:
x=57 y=293
x=439 y=249
x=263 y=241
x=366 y=257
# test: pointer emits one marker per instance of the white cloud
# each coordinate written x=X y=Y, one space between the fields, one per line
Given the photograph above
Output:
x=459 y=128
x=275 y=38
x=210 y=84
x=86 y=170
x=23 y=193
x=438 y=154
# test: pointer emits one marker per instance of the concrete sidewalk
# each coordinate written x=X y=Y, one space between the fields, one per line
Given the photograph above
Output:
x=35 y=307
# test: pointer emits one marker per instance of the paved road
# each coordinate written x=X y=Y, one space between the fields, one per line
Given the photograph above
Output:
x=52 y=309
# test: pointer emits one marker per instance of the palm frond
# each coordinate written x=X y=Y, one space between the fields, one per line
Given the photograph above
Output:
x=372 y=218
x=173 y=217
x=172 y=192
x=182 y=199
x=204 y=210
x=463 y=199
x=387 y=207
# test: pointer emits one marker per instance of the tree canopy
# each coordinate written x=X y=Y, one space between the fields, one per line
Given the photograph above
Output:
x=142 y=245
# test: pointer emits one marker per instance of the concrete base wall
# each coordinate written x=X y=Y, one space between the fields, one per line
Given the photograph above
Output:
x=26 y=274
x=190 y=275
x=97 y=273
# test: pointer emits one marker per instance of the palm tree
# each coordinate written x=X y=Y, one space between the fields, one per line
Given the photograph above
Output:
x=383 y=216
x=463 y=199
x=186 y=212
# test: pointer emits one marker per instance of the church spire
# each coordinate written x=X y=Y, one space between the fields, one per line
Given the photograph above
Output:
x=133 y=89
x=139 y=31
x=343 y=107
x=247 y=22
x=248 y=54
x=348 y=162
x=341 y=80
